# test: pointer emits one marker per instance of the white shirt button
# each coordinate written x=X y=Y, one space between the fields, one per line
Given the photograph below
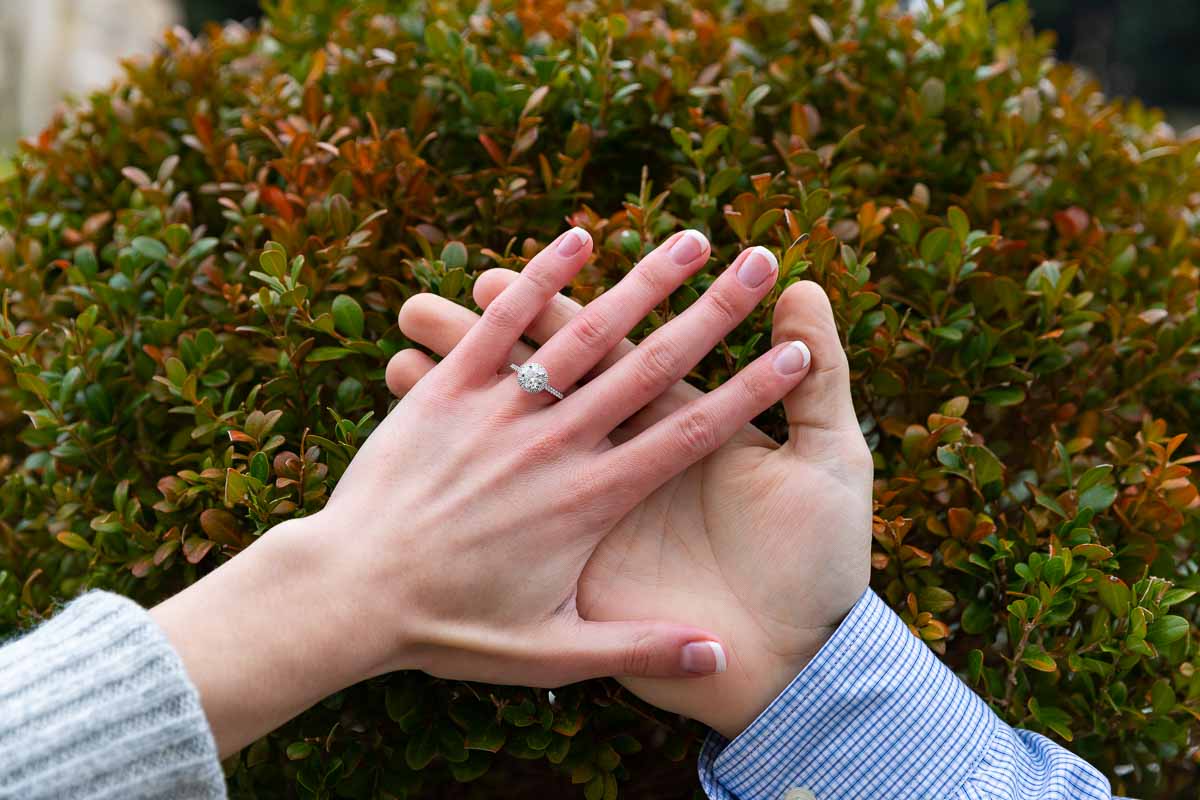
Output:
x=797 y=793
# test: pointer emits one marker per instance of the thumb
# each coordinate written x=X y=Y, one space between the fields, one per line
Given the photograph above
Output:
x=643 y=650
x=821 y=403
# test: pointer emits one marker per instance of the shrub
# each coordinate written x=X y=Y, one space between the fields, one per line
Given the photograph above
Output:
x=202 y=268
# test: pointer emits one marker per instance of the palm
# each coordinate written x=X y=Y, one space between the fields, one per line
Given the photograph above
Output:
x=694 y=551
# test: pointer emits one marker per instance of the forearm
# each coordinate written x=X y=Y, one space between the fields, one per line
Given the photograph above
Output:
x=264 y=636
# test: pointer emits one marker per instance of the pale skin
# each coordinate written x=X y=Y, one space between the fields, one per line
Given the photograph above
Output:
x=462 y=538
x=765 y=544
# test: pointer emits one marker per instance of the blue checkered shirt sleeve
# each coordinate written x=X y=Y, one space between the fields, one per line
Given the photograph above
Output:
x=877 y=716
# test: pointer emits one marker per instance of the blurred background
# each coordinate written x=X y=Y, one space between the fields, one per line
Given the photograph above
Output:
x=52 y=48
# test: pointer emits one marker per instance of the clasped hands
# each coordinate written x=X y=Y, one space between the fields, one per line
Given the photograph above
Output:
x=639 y=528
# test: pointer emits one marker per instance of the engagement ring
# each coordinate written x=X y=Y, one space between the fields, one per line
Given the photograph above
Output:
x=533 y=378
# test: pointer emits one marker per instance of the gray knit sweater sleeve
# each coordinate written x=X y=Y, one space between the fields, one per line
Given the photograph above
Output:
x=96 y=704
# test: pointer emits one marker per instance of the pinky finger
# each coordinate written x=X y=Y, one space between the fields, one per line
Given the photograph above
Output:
x=405 y=369
x=673 y=444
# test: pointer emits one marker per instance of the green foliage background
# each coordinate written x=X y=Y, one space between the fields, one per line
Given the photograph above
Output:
x=1011 y=259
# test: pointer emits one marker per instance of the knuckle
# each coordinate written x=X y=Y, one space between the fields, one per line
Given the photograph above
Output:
x=723 y=308
x=505 y=313
x=696 y=431
x=638 y=657
x=541 y=277
x=548 y=444
x=758 y=387
x=590 y=330
x=658 y=365
x=649 y=282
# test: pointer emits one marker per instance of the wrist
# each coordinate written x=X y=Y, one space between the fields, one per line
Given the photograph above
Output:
x=263 y=637
x=761 y=682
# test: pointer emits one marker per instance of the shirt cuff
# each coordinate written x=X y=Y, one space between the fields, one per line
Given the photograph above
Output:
x=874 y=714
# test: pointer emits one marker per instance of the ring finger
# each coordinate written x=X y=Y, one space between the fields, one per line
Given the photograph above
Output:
x=578 y=346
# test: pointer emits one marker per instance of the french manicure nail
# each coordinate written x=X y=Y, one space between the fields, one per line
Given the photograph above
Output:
x=703 y=658
x=757 y=267
x=572 y=241
x=688 y=247
x=792 y=358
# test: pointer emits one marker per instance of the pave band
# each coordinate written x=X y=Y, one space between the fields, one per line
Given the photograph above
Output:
x=533 y=378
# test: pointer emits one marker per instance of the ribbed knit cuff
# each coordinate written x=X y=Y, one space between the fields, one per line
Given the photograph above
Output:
x=95 y=704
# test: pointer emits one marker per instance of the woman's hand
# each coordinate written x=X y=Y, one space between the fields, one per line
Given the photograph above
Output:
x=456 y=539
x=767 y=545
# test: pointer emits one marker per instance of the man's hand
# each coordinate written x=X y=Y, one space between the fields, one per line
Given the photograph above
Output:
x=765 y=544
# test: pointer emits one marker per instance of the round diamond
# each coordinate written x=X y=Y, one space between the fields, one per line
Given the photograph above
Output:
x=532 y=377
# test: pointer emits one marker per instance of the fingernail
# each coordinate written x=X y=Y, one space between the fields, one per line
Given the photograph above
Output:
x=688 y=247
x=572 y=241
x=757 y=267
x=703 y=658
x=792 y=358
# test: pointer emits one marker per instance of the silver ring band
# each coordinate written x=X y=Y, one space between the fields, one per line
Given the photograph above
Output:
x=533 y=378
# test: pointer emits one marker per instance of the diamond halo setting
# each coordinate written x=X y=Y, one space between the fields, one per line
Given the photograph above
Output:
x=532 y=377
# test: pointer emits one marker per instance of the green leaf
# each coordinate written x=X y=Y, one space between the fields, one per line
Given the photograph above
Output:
x=87 y=318
x=1162 y=696
x=1004 y=396
x=476 y=766
x=201 y=248
x=681 y=138
x=176 y=371
x=1174 y=596
x=1037 y=658
x=298 y=751
x=1092 y=551
x=977 y=618
x=987 y=467
x=1114 y=595
x=454 y=255
x=1054 y=570
x=1093 y=477
x=273 y=262
x=756 y=96
x=347 y=317
x=933 y=96
x=935 y=599
x=152 y=249
x=714 y=138
x=723 y=180
x=907 y=224
x=1167 y=629
x=74 y=541
x=320 y=354
x=1098 y=497
x=958 y=222
x=421 y=749
x=399 y=702
x=1053 y=718
x=935 y=244
x=974 y=666
x=452 y=283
